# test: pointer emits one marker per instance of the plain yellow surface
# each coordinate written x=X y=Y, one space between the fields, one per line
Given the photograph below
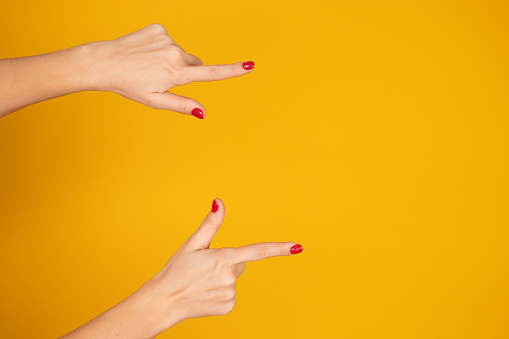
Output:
x=374 y=133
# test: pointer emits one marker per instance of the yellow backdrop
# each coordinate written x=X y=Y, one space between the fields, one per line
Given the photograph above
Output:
x=374 y=133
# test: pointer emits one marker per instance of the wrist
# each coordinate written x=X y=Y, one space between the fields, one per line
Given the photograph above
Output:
x=162 y=303
x=96 y=70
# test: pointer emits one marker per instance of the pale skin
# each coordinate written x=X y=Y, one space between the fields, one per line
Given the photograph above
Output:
x=197 y=281
x=141 y=66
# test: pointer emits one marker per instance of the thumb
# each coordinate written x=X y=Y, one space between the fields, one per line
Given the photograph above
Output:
x=203 y=236
x=177 y=103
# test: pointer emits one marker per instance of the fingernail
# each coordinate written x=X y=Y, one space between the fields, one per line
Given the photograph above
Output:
x=248 y=65
x=215 y=207
x=296 y=249
x=197 y=113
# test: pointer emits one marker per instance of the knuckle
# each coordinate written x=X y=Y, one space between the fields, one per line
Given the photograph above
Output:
x=182 y=106
x=227 y=254
x=179 y=75
x=215 y=72
x=168 y=38
x=229 y=281
x=228 y=307
x=234 y=69
x=230 y=295
x=219 y=260
x=157 y=28
x=262 y=252
x=175 y=51
x=166 y=41
x=231 y=305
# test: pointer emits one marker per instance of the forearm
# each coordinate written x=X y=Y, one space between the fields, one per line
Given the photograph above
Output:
x=27 y=80
x=139 y=316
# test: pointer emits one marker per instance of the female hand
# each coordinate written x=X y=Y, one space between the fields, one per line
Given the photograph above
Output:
x=144 y=65
x=141 y=66
x=197 y=281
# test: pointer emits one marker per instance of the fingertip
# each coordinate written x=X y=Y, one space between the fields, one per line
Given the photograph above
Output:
x=217 y=204
x=177 y=103
x=248 y=65
x=203 y=236
x=296 y=249
x=198 y=112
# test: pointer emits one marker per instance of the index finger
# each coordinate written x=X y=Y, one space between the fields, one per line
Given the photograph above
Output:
x=218 y=72
x=265 y=250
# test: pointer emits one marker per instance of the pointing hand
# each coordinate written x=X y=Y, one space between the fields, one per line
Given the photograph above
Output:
x=199 y=281
x=144 y=65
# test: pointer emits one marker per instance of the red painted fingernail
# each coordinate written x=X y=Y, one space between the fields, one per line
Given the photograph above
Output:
x=248 y=65
x=296 y=249
x=215 y=206
x=197 y=113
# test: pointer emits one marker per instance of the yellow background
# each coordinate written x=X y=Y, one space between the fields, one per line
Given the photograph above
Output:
x=374 y=133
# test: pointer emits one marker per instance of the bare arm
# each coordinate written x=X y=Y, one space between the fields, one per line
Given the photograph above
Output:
x=138 y=316
x=25 y=81
x=141 y=66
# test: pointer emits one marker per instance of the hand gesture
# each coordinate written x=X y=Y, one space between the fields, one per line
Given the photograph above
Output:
x=144 y=65
x=200 y=281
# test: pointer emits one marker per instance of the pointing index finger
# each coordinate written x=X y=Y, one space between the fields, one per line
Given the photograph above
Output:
x=265 y=250
x=218 y=72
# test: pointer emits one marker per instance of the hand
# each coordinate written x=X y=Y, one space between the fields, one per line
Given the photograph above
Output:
x=199 y=281
x=144 y=65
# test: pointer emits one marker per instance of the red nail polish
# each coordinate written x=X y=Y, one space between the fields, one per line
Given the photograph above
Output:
x=248 y=65
x=215 y=206
x=197 y=113
x=296 y=249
